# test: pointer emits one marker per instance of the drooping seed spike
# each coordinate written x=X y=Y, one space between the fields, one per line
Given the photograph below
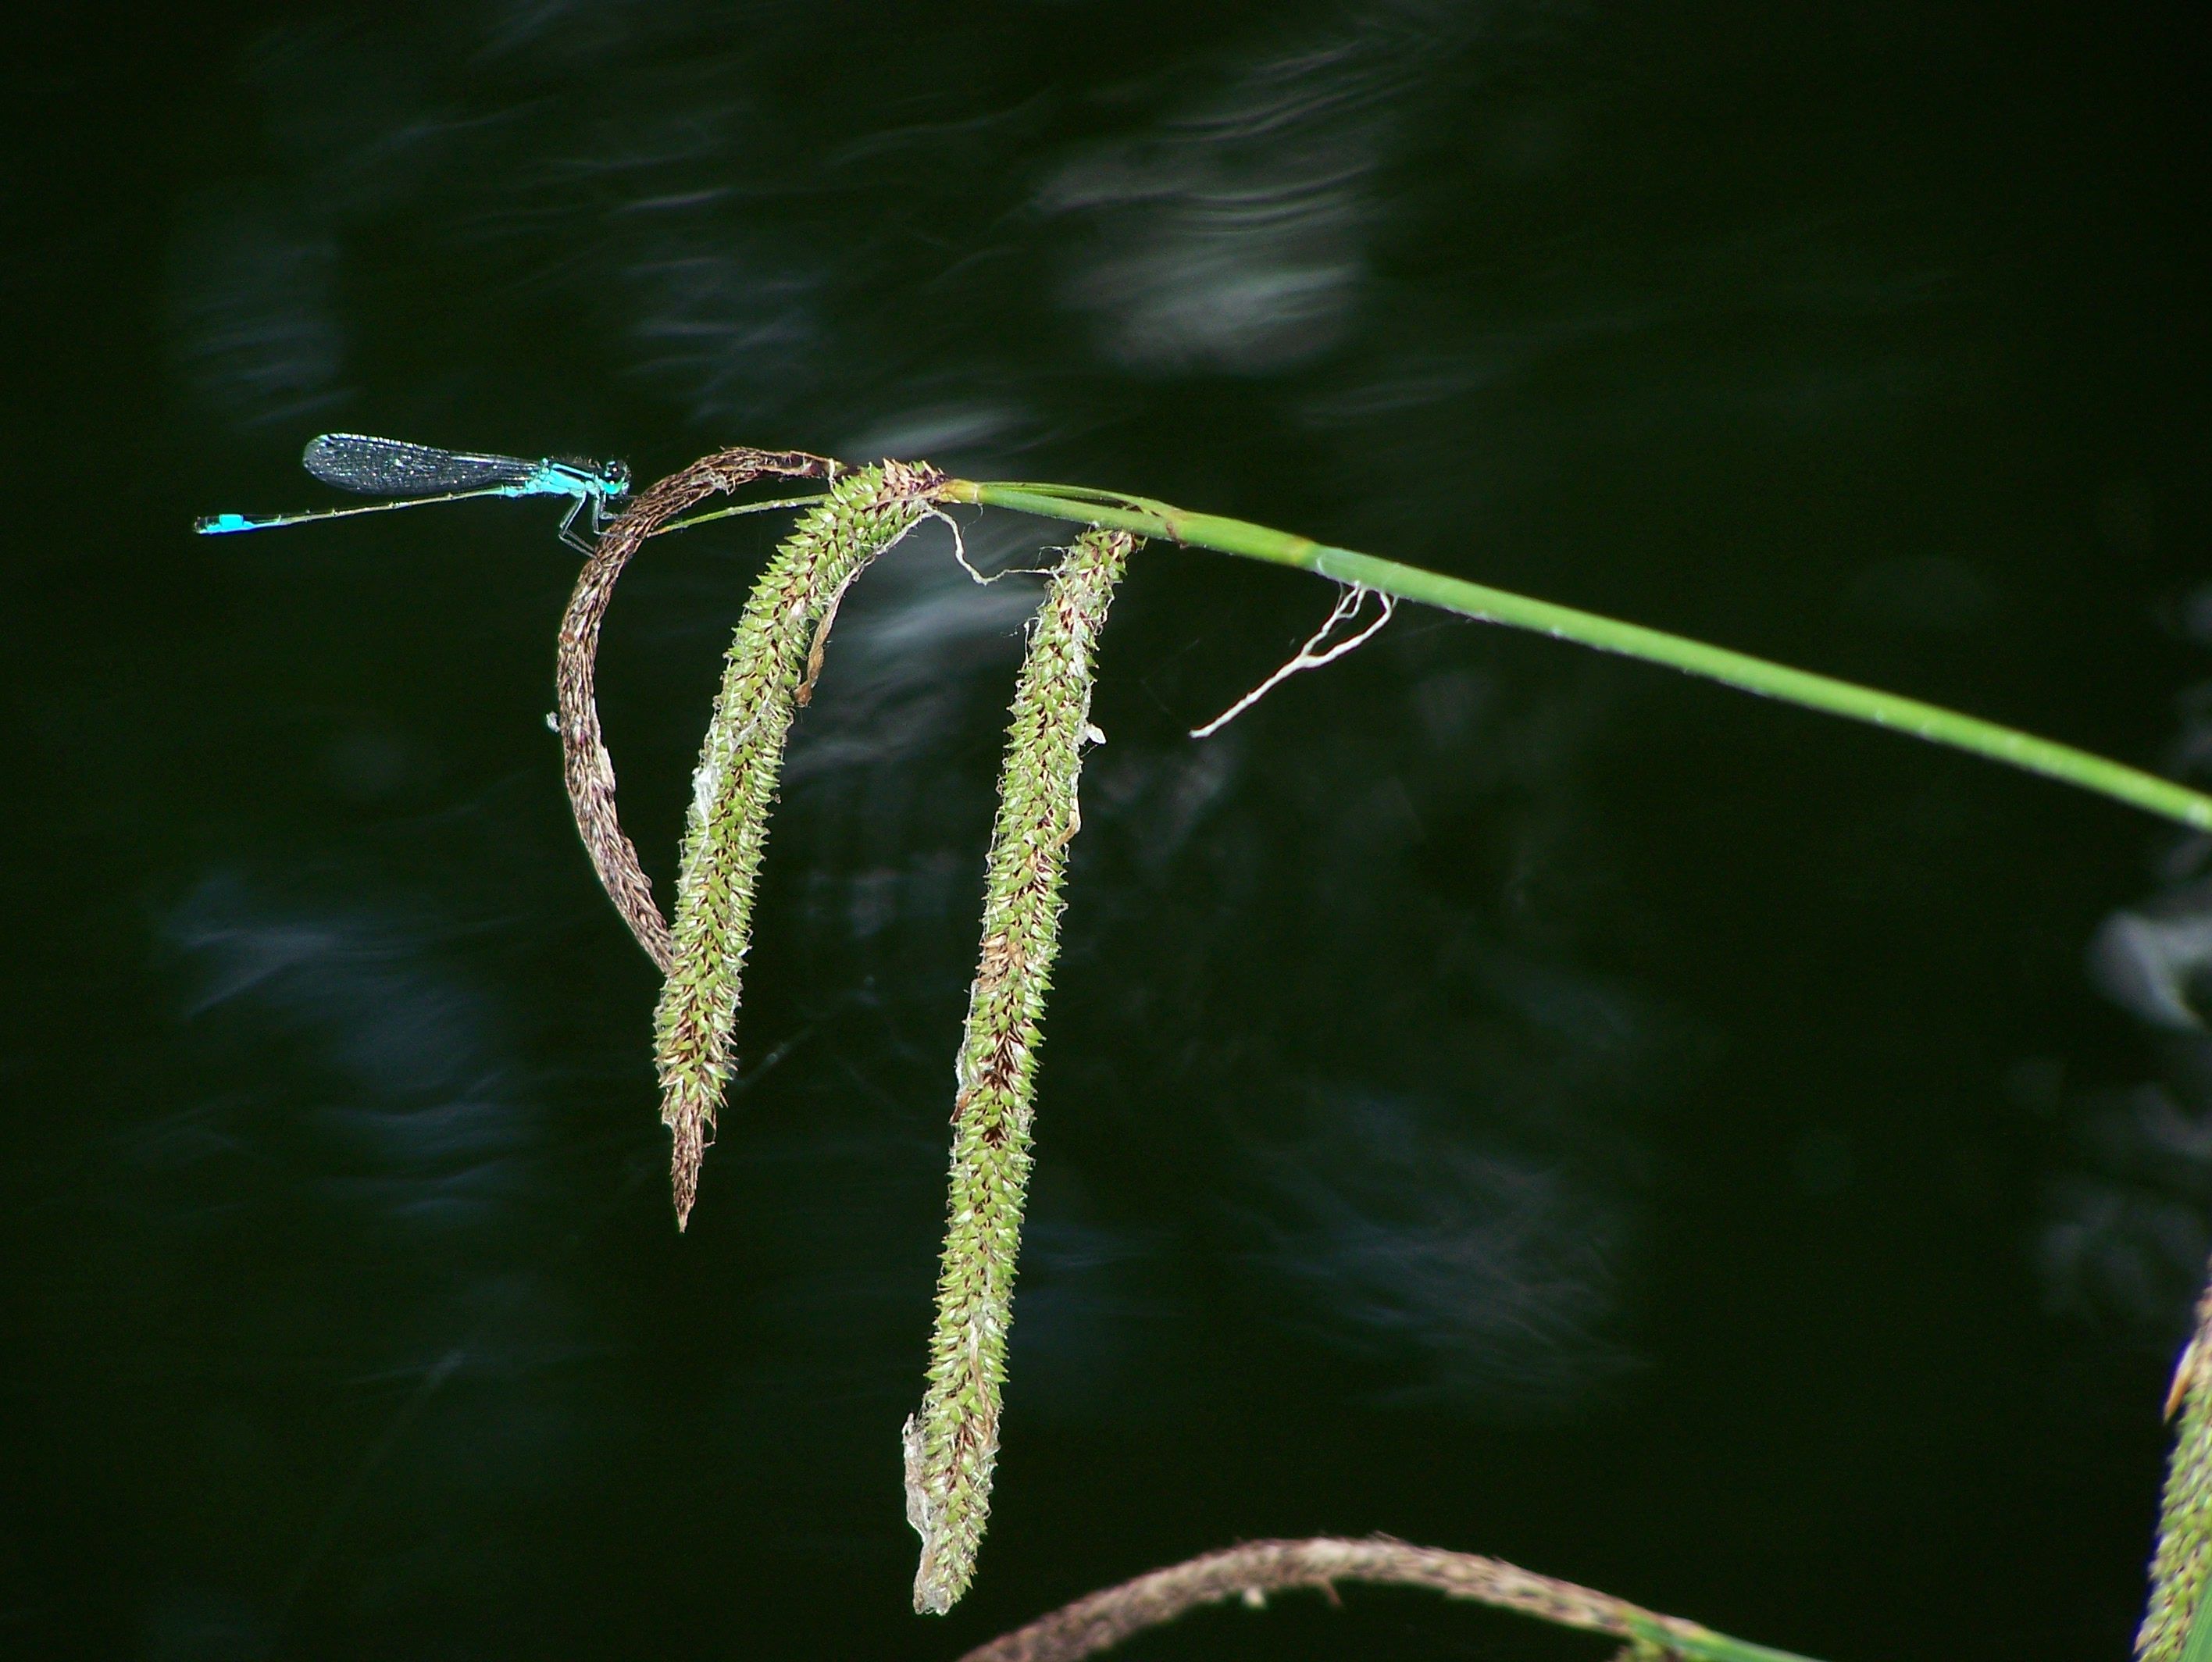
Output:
x=952 y=1447
x=768 y=673
x=2181 y=1566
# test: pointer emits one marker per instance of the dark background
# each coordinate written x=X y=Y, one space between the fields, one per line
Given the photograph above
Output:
x=1513 y=1100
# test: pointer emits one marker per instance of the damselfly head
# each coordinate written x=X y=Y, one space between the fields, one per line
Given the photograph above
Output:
x=613 y=476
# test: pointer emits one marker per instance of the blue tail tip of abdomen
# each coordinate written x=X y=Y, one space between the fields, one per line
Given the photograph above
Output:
x=208 y=524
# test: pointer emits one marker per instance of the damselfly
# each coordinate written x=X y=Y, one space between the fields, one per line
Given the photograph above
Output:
x=421 y=475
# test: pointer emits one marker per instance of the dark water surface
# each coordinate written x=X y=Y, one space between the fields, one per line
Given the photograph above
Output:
x=1512 y=1099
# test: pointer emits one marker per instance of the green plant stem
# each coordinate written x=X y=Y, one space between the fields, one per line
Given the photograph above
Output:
x=1703 y=1644
x=742 y=508
x=1931 y=722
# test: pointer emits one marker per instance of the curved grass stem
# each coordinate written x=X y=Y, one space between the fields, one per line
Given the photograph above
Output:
x=1256 y=1570
x=586 y=768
